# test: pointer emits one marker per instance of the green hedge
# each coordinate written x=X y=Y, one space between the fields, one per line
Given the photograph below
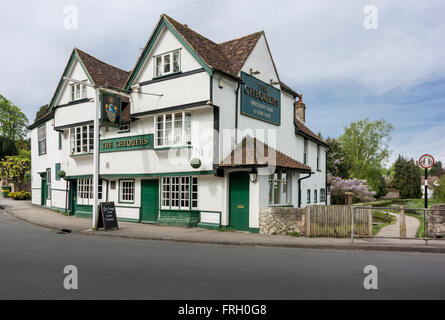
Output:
x=20 y=195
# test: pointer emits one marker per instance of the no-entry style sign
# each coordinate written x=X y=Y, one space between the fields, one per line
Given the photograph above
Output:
x=426 y=161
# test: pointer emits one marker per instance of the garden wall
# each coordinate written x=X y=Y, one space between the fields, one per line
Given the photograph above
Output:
x=282 y=220
x=436 y=223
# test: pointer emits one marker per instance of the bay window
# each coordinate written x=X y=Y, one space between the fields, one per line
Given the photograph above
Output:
x=167 y=63
x=85 y=191
x=179 y=193
x=278 y=188
x=173 y=129
x=82 y=139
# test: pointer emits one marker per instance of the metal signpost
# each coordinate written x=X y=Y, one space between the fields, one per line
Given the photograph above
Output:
x=426 y=162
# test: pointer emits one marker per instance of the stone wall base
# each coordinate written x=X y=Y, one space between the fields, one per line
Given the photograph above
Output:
x=282 y=220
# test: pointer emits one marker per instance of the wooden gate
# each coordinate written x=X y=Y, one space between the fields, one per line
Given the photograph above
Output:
x=335 y=221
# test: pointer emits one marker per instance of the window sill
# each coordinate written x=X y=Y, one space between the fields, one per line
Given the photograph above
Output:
x=81 y=154
x=123 y=131
x=167 y=75
x=281 y=205
x=172 y=147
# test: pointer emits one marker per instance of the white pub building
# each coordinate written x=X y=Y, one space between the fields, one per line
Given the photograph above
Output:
x=197 y=134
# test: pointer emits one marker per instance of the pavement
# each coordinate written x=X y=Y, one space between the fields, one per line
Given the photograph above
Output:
x=43 y=217
x=393 y=230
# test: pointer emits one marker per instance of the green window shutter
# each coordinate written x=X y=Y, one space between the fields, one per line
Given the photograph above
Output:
x=60 y=140
x=57 y=171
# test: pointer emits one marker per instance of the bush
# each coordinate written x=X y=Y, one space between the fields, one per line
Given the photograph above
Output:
x=20 y=195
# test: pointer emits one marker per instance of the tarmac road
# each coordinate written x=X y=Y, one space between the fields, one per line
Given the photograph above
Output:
x=32 y=260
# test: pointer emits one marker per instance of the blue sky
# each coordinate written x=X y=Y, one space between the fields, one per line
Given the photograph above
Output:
x=344 y=71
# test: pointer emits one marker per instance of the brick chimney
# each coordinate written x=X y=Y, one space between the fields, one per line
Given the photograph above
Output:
x=300 y=109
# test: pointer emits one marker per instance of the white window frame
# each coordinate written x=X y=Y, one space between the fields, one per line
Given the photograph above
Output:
x=77 y=139
x=177 y=139
x=41 y=137
x=159 y=69
x=179 y=193
x=127 y=192
x=85 y=191
x=78 y=91
x=277 y=186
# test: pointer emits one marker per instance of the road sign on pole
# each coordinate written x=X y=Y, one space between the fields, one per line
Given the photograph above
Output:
x=426 y=161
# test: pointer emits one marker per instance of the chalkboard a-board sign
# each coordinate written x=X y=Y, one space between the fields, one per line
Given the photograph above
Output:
x=107 y=216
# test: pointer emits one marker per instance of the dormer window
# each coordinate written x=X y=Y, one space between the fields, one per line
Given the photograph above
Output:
x=168 y=63
x=78 y=91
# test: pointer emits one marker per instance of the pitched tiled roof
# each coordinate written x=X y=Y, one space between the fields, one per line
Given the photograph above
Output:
x=103 y=74
x=251 y=152
x=238 y=50
x=209 y=51
x=301 y=127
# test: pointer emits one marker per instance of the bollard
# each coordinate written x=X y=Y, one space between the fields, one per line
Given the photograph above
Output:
x=402 y=223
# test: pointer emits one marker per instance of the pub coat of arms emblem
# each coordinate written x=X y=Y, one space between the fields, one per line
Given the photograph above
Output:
x=111 y=109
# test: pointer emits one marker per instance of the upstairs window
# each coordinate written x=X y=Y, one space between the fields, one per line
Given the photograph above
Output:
x=41 y=136
x=82 y=139
x=167 y=63
x=78 y=91
x=315 y=196
x=305 y=151
x=173 y=129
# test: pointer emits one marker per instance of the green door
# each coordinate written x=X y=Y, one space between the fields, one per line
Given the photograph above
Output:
x=44 y=194
x=239 y=201
x=150 y=201
x=73 y=197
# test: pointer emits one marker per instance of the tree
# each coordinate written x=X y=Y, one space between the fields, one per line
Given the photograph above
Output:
x=340 y=186
x=436 y=170
x=365 y=144
x=337 y=162
x=14 y=168
x=23 y=144
x=7 y=147
x=406 y=178
x=13 y=121
x=42 y=111
x=439 y=192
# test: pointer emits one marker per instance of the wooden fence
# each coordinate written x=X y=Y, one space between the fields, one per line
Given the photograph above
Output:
x=335 y=221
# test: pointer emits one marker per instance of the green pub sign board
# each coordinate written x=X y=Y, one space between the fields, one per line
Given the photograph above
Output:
x=260 y=100
x=110 y=110
x=127 y=143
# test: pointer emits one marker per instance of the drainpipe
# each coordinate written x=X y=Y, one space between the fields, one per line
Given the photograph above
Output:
x=299 y=188
x=236 y=113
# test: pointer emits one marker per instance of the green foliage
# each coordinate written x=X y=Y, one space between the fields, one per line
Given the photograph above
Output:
x=365 y=144
x=439 y=192
x=23 y=144
x=25 y=154
x=27 y=177
x=337 y=161
x=406 y=178
x=42 y=111
x=436 y=170
x=7 y=147
x=13 y=122
x=20 y=195
x=14 y=168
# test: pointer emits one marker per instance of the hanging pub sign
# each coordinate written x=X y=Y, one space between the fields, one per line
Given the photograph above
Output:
x=110 y=110
x=260 y=100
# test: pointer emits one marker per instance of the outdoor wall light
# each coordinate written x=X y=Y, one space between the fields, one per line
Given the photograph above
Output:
x=273 y=82
x=253 y=176
x=220 y=83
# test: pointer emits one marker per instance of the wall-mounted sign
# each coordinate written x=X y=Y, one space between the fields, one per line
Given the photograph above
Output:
x=426 y=161
x=260 y=100
x=126 y=143
x=110 y=110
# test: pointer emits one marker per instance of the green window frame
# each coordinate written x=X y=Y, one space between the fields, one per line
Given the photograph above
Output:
x=308 y=196
x=60 y=140
x=315 y=196
x=57 y=171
